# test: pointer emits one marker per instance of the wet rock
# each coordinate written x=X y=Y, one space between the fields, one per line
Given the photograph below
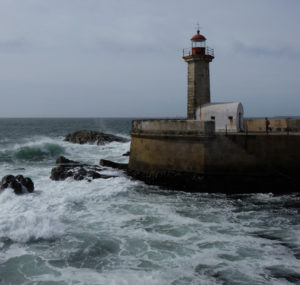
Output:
x=6 y=180
x=126 y=153
x=16 y=186
x=64 y=160
x=61 y=173
x=108 y=163
x=78 y=171
x=27 y=182
x=78 y=177
x=19 y=184
x=94 y=174
x=82 y=137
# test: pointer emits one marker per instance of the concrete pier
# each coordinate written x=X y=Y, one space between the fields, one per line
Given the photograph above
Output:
x=190 y=155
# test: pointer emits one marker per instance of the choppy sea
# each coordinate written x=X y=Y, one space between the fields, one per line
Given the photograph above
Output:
x=121 y=231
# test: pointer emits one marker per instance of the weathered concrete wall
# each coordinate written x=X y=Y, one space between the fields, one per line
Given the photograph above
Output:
x=294 y=125
x=255 y=162
x=212 y=155
x=155 y=153
x=275 y=153
x=178 y=127
x=277 y=125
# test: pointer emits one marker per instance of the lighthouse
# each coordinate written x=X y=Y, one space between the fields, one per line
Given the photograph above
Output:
x=198 y=57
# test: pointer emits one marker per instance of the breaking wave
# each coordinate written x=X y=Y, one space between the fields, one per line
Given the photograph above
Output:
x=27 y=218
x=35 y=152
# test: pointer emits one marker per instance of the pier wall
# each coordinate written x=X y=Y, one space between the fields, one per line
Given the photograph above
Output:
x=184 y=154
x=277 y=124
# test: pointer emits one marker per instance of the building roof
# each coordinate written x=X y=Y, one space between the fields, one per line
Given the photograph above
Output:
x=198 y=37
x=226 y=107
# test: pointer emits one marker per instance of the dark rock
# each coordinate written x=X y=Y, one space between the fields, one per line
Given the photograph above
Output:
x=18 y=183
x=94 y=174
x=126 y=153
x=20 y=177
x=108 y=163
x=82 y=171
x=77 y=171
x=6 y=180
x=61 y=173
x=82 y=137
x=26 y=181
x=64 y=160
x=17 y=186
x=78 y=177
x=29 y=184
x=229 y=184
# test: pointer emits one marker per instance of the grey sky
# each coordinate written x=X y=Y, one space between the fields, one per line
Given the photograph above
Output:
x=93 y=58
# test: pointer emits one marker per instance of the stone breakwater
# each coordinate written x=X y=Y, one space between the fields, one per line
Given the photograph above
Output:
x=190 y=155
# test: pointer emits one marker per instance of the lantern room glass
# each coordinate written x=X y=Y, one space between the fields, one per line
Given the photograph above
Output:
x=198 y=44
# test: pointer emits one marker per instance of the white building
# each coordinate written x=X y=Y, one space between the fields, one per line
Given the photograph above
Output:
x=227 y=116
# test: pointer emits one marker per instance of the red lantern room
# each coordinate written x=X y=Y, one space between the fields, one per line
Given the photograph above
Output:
x=198 y=43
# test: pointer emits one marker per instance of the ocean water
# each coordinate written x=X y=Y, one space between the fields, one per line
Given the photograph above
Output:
x=121 y=231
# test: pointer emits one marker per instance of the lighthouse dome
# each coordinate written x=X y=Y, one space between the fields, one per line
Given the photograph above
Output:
x=198 y=37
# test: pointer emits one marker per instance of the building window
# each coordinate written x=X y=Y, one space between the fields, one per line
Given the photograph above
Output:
x=212 y=118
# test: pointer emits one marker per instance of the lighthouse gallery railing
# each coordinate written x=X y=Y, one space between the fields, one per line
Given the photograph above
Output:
x=208 y=51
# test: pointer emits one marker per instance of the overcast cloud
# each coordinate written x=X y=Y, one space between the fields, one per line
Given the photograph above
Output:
x=93 y=58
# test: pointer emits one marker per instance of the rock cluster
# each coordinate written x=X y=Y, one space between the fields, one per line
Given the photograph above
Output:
x=76 y=170
x=19 y=184
x=82 y=137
